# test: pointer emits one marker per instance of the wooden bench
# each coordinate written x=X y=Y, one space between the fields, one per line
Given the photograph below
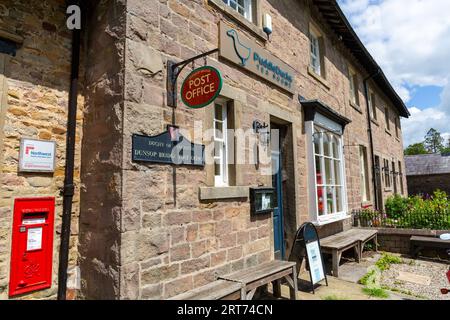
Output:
x=343 y=241
x=217 y=290
x=419 y=242
x=271 y=272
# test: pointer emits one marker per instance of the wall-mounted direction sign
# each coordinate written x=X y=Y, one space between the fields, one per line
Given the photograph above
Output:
x=237 y=48
x=201 y=87
x=37 y=155
x=169 y=147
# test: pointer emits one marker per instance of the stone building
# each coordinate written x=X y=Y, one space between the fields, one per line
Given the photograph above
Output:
x=427 y=173
x=149 y=230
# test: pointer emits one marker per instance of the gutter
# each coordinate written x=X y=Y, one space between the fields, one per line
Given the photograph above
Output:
x=69 y=187
x=369 y=121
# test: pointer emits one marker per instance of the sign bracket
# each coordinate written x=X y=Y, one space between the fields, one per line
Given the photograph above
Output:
x=173 y=71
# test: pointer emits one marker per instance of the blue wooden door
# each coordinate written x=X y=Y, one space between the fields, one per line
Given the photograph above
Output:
x=278 y=228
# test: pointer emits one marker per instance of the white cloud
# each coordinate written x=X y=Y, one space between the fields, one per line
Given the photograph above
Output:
x=410 y=39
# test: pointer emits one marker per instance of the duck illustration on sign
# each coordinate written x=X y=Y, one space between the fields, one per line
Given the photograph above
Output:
x=242 y=51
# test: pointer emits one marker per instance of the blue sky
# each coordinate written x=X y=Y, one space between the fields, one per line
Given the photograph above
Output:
x=410 y=41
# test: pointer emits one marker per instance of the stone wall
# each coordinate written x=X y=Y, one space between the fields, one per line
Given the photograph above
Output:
x=102 y=192
x=37 y=83
x=398 y=241
x=428 y=184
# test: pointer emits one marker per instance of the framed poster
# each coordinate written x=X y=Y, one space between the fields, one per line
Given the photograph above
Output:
x=37 y=155
x=315 y=262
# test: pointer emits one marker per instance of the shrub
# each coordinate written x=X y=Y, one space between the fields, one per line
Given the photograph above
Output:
x=396 y=206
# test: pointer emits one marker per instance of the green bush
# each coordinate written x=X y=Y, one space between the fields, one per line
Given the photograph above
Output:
x=396 y=206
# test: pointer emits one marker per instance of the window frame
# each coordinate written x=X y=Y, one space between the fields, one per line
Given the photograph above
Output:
x=387 y=174
x=400 y=174
x=386 y=118
x=314 y=40
x=247 y=7
x=221 y=180
x=326 y=217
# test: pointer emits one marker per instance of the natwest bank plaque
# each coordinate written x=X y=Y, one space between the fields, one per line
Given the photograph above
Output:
x=37 y=155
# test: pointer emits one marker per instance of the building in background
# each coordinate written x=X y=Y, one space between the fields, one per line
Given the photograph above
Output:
x=427 y=173
x=152 y=230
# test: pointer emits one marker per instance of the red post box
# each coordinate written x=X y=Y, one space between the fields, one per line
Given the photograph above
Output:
x=32 y=245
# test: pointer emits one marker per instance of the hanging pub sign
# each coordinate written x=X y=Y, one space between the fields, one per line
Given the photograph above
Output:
x=201 y=87
x=307 y=244
x=169 y=147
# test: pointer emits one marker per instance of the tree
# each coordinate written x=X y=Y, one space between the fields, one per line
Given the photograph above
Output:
x=415 y=149
x=434 y=142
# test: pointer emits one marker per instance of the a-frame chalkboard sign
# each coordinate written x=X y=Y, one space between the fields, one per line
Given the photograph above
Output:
x=307 y=245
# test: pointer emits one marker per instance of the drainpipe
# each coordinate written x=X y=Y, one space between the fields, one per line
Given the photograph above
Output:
x=69 y=188
x=369 y=121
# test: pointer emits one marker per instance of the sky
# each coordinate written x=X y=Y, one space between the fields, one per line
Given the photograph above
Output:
x=410 y=40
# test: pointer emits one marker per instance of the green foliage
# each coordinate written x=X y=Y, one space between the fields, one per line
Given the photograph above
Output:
x=386 y=260
x=415 y=212
x=368 y=278
x=415 y=149
x=434 y=142
x=333 y=297
x=376 y=292
x=396 y=206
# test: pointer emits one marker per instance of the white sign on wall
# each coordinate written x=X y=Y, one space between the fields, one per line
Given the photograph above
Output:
x=37 y=155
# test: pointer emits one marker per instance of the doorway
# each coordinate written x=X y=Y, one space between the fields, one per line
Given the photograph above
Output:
x=278 y=224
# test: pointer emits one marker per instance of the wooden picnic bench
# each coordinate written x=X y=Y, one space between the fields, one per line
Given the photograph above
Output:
x=271 y=272
x=243 y=284
x=419 y=242
x=343 y=241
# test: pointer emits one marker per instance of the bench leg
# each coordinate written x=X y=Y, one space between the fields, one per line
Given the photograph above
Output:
x=358 y=252
x=336 y=259
x=243 y=293
x=376 y=243
x=276 y=288
x=294 y=290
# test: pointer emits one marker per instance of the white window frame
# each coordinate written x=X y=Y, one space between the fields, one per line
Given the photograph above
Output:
x=221 y=180
x=326 y=218
x=245 y=5
x=315 y=54
x=364 y=174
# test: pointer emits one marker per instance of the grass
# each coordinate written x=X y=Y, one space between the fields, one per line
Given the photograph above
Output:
x=376 y=293
x=365 y=280
x=333 y=297
x=386 y=260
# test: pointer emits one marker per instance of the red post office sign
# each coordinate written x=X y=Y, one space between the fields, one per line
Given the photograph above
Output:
x=201 y=87
x=32 y=245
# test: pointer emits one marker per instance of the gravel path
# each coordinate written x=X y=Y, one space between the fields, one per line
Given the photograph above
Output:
x=436 y=271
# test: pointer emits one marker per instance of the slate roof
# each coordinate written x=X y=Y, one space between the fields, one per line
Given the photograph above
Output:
x=427 y=164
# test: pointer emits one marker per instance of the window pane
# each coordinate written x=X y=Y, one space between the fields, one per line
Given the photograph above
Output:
x=320 y=201
x=219 y=130
x=337 y=172
x=316 y=142
x=217 y=169
x=319 y=171
x=336 y=148
x=218 y=112
x=218 y=145
x=339 y=204
x=329 y=200
x=326 y=145
x=328 y=172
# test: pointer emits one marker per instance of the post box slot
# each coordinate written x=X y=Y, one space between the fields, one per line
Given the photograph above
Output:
x=34 y=218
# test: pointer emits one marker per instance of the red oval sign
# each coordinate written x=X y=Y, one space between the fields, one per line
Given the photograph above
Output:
x=201 y=87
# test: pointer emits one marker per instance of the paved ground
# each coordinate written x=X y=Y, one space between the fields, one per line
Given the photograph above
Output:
x=411 y=280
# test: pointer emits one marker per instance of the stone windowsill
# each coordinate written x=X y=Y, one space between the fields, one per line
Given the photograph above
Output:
x=220 y=193
x=240 y=19
x=318 y=78
x=366 y=204
x=356 y=107
x=10 y=36
x=319 y=223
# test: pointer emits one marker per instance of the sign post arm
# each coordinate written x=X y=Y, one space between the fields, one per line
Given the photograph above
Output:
x=173 y=71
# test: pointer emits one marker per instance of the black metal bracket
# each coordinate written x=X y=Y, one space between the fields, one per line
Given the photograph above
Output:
x=173 y=71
